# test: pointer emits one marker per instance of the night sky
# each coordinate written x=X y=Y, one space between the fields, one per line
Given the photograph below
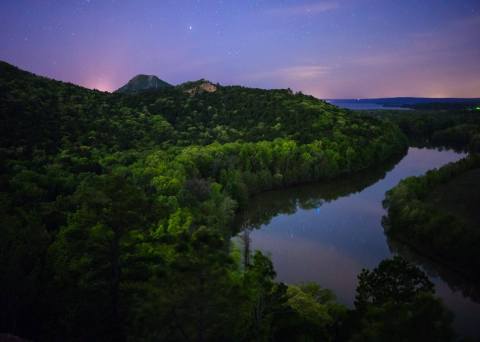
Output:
x=330 y=49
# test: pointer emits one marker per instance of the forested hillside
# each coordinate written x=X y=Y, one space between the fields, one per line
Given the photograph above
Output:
x=442 y=125
x=437 y=215
x=116 y=209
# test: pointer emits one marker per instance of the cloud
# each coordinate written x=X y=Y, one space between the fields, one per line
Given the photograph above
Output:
x=303 y=72
x=305 y=9
x=431 y=63
x=294 y=73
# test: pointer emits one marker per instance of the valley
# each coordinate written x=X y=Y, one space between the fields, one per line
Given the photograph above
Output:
x=118 y=211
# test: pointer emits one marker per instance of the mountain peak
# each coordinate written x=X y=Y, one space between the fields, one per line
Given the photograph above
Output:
x=142 y=83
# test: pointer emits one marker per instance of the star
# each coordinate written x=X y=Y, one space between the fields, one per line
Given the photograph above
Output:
x=190 y=28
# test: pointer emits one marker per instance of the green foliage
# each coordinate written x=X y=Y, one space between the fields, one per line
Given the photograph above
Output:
x=315 y=314
x=452 y=126
x=100 y=253
x=117 y=209
x=437 y=233
x=423 y=319
x=393 y=280
x=459 y=136
x=195 y=299
x=395 y=302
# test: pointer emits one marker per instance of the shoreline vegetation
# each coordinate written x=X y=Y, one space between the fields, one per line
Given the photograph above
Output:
x=308 y=195
x=432 y=214
x=440 y=126
x=417 y=217
x=117 y=209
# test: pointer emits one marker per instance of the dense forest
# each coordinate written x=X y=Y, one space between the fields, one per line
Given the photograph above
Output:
x=437 y=215
x=447 y=125
x=117 y=212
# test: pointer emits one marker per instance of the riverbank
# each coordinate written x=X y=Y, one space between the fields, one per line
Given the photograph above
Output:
x=436 y=215
x=328 y=232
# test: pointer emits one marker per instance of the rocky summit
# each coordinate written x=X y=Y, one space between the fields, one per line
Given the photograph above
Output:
x=141 y=83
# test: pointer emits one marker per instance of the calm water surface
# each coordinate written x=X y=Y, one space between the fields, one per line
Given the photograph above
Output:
x=327 y=233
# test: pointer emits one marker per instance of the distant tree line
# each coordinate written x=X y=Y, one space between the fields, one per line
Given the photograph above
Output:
x=439 y=125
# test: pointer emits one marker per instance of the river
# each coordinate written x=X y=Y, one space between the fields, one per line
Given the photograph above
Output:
x=328 y=232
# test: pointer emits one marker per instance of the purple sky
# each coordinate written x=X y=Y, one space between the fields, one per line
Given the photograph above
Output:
x=331 y=49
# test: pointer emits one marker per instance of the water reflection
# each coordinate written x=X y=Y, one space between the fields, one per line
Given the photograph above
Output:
x=328 y=232
x=461 y=295
x=261 y=209
x=455 y=281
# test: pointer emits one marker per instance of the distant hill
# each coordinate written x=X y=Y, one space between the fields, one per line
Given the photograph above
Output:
x=51 y=115
x=141 y=83
x=407 y=101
